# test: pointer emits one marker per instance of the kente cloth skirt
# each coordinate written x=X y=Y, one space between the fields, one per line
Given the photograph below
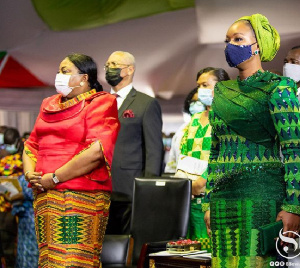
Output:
x=70 y=227
x=240 y=204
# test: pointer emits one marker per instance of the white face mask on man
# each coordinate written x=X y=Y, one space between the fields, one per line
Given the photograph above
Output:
x=292 y=71
x=62 y=84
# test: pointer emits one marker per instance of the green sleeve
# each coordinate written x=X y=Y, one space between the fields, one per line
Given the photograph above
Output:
x=212 y=163
x=284 y=109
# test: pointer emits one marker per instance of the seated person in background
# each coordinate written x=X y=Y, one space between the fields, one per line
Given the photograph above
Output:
x=10 y=164
x=27 y=248
x=3 y=152
x=195 y=150
x=191 y=106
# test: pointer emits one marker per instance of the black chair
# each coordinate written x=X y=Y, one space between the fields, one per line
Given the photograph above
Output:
x=116 y=251
x=119 y=214
x=160 y=211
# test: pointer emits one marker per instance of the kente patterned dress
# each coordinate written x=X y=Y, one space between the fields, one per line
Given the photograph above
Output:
x=248 y=184
x=196 y=143
x=71 y=218
x=27 y=252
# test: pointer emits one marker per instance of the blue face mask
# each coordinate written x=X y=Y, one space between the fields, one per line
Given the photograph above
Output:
x=196 y=107
x=205 y=95
x=11 y=148
x=236 y=54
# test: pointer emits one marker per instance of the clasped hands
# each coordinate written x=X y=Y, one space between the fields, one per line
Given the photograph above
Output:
x=39 y=181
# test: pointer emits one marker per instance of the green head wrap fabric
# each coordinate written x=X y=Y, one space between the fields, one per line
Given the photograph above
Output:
x=267 y=37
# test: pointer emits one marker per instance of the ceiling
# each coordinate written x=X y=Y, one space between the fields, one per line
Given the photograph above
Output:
x=169 y=48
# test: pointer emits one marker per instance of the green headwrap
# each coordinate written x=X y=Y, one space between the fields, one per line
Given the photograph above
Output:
x=267 y=37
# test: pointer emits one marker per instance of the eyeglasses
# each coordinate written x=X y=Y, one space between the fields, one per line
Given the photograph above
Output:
x=114 y=65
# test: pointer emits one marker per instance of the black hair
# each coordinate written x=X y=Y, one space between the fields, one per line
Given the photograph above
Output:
x=219 y=73
x=296 y=47
x=26 y=135
x=11 y=135
x=188 y=100
x=2 y=129
x=86 y=65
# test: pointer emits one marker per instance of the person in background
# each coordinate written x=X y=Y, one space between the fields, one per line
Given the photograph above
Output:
x=139 y=147
x=22 y=207
x=2 y=130
x=291 y=67
x=191 y=106
x=10 y=165
x=252 y=117
x=3 y=151
x=67 y=160
x=195 y=150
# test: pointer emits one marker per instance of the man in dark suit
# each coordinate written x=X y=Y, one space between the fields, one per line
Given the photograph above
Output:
x=139 y=149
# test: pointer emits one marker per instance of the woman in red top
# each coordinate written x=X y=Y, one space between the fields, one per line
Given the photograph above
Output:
x=67 y=161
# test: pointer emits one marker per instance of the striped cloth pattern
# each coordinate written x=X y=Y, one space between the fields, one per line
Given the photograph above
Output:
x=70 y=227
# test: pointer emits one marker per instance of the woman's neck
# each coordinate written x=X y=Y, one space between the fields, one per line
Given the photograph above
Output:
x=74 y=93
x=247 y=69
x=243 y=74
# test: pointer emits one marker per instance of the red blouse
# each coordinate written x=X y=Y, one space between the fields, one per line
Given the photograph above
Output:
x=63 y=130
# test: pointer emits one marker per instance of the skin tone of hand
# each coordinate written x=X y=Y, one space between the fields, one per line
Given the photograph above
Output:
x=33 y=178
x=198 y=186
x=84 y=163
x=44 y=182
x=207 y=222
x=291 y=222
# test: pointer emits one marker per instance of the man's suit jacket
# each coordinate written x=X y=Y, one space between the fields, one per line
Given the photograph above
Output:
x=139 y=148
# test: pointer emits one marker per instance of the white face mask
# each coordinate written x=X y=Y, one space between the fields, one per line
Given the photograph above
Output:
x=62 y=84
x=292 y=71
x=197 y=107
x=1 y=138
x=205 y=95
x=11 y=148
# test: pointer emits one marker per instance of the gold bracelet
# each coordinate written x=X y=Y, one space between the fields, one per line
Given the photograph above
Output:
x=26 y=173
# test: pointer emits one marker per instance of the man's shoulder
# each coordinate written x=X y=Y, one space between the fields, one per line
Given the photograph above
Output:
x=144 y=97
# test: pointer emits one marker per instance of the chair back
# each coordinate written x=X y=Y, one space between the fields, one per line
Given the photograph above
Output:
x=160 y=210
x=116 y=250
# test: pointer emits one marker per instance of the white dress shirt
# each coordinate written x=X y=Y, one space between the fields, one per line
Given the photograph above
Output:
x=122 y=94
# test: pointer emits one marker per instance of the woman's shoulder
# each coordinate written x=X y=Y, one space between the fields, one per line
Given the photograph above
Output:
x=283 y=83
x=101 y=97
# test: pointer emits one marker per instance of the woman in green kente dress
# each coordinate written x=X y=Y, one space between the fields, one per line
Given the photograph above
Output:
x=195 y=149
x=248 y=186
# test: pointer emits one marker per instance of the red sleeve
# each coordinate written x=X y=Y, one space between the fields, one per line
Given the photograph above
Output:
x=102 y=124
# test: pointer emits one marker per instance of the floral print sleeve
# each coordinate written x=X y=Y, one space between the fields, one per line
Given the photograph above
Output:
x=284 y=109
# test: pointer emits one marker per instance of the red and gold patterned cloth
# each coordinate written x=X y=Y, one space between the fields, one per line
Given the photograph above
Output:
x=63 y=130
x=70 y=228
